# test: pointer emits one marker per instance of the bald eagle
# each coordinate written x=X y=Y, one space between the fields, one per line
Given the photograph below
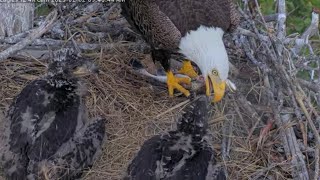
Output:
x=183 y=154
x=191 y=28
x=47 y=134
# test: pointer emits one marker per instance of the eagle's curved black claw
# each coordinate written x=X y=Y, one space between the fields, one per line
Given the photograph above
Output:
x=136 y=64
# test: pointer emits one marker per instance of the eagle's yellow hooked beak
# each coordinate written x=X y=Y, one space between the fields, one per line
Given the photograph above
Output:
x=218 y=88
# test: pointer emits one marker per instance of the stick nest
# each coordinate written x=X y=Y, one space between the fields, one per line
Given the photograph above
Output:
x=267 y=129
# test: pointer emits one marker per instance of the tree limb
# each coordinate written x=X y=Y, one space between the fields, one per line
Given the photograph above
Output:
x=31 y=37
x=307 y=34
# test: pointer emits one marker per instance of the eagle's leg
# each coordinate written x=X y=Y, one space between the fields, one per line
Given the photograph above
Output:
x=174 y=83
x=188 y=70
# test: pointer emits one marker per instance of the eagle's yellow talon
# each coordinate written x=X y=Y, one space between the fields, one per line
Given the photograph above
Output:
x=183 y=80
x=187 y=69
x=174 y=83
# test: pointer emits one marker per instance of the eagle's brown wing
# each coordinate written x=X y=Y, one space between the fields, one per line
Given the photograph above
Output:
x=190 y=14
x=153 y=24
x=234 y=16
x=163 y=22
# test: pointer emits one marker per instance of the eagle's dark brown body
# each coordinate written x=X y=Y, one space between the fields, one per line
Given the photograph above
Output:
x=163 y=23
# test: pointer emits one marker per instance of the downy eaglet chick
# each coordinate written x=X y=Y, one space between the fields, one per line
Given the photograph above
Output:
x=182 y=154
x=47 y=132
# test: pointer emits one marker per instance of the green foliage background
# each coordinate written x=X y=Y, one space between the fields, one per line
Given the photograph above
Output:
x=298 y=19
x=299 y=12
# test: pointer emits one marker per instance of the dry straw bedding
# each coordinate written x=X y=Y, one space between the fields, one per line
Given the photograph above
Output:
x=137 y=109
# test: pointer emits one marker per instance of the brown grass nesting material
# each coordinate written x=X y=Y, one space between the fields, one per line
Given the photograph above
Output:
x=14 y=75
x=136 y=111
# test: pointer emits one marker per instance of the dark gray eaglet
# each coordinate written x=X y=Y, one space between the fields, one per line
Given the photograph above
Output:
x=191 y=28
x=47 y=134
x=183 y=154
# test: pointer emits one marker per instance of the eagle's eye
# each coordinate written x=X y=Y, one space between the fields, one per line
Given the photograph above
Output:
x=215 y=72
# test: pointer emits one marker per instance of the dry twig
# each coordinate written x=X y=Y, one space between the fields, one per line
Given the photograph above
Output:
x=31 y=37
x=138 y=111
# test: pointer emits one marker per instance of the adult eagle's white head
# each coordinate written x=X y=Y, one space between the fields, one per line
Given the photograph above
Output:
x=182 y=25
x=205 y=47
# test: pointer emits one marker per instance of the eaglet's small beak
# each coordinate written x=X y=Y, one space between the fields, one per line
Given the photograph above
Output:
x=84 y=71
x=218 y=88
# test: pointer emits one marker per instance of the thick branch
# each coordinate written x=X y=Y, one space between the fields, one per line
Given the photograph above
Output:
x=281 y=28
x=31 y=37
x=307 y=34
